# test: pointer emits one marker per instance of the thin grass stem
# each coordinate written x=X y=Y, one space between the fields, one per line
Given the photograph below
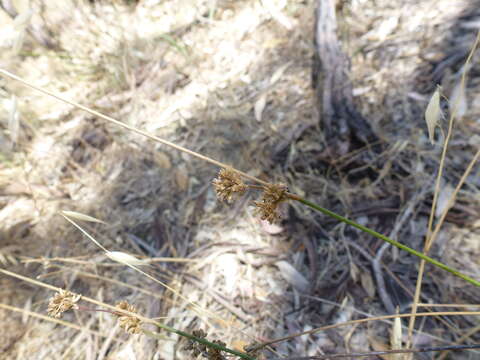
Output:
x=387 y=239
x=359 y=321
x=9 y=75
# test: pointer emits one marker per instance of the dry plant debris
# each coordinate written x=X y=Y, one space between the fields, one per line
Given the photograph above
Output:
x=211 y=75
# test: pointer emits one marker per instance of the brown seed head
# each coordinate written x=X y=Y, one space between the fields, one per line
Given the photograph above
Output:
x=228 y=184
x=61 y=302
x=215 y=354
x=208 y=352
x=267 y=207
x=130 y=324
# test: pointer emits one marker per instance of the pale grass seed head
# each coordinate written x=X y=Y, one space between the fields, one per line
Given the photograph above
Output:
x=267 y=207
x=229 y=185
x=63 y=301
x=130 y=324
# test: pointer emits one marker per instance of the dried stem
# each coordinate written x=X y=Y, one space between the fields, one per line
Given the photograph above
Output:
x=430 y=238
x=144 y=319
x=386 y=352
x=130 y=128
x=353 y=322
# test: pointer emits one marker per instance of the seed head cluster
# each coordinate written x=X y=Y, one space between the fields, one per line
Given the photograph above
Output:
x=208 y=352
x=130 y=324
x=63 y=301
x=267 y=207
x=229 y=185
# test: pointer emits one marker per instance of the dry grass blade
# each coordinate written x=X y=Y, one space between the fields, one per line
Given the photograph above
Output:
x=129 y=261
x=125 y=259
x=84 y=232
x=431 y=236
x=159 y=201
x=359 y=321
x=458 y=100
x=449 y=305
x=435 y=233
x=260 y=106
x=130 y=128
x=79 y=216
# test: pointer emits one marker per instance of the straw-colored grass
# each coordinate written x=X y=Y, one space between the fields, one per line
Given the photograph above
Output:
x=231 y=81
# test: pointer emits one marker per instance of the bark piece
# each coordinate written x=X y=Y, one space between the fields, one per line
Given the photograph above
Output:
x=340 y=117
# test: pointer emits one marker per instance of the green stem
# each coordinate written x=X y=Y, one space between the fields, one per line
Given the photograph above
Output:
x=386 y=238
x=197 y=339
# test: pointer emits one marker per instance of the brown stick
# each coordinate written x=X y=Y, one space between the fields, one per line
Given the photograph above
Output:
x=330 y=76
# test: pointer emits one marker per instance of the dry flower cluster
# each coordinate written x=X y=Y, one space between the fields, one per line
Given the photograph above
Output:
x=208 y=352
x=228 y=185
x=61 y=302
x=65 y=300
x=273 y=195
x=130 y=324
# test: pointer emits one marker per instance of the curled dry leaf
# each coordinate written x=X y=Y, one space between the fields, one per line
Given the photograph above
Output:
x=367 y=283
x=260 y=106
x=444 y=203
x=354 y=271
x=277 y=75
x=293 y=276
x=272 y=229
x=182 y=179
x=432 y=114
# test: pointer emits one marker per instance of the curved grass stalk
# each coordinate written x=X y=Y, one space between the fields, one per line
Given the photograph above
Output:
x=386 y=238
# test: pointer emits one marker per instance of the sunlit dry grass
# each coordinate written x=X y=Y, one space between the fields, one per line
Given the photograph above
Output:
x=231 y=80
